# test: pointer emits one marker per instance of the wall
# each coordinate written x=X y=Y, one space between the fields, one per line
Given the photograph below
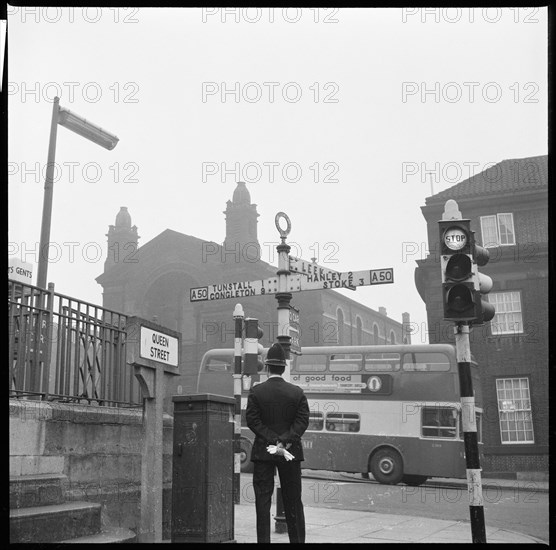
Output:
x=98 y=449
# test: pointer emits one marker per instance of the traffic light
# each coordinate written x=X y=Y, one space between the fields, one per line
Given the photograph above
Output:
x=462 y=284
x=483 y=284
x=253 y=350
x=456 y=258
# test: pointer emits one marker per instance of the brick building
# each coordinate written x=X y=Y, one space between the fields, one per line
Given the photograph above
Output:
x=508 y=208
x=153 y=281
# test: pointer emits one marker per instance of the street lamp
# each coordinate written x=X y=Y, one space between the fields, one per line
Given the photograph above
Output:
x=84 y=128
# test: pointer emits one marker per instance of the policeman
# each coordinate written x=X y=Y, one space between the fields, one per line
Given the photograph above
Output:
x=278 y=414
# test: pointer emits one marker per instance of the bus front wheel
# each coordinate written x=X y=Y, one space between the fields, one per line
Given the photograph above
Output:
x=245 y=456
x=387 y=466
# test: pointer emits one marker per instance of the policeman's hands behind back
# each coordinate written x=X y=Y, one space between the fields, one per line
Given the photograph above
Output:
x=280 y=450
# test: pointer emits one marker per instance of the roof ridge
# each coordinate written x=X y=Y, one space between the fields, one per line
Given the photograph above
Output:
x=512 y=174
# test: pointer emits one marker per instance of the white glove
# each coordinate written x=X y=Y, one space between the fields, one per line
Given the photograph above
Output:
x=280 y=451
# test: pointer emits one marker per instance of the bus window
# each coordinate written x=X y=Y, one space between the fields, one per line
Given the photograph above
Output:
x=345 y=362
x=425 y=362
x=343 y=422
x=439 y=422
x=316 y=421
x=218 y=364
x=382 y=362
x=310 y=363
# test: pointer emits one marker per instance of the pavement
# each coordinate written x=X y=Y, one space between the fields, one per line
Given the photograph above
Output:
x=338 y=526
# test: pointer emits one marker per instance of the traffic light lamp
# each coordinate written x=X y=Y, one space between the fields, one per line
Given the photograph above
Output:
x=483 y=284
x=253 y=350
x=462 y=284
x=458 y=287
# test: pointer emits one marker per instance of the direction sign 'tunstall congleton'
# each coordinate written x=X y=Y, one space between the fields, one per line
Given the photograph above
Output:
x=317 y=281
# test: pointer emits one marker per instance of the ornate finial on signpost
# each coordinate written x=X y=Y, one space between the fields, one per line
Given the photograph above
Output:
x=283 y=232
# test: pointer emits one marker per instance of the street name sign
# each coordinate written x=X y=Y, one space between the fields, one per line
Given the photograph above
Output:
x=158 y=346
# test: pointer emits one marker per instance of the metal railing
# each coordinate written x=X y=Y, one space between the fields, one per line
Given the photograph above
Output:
x=67 y=350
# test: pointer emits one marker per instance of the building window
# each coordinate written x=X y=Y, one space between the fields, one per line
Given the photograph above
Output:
x=507 y=319
x=340 y=315
x=498 y=230
x=392 y=337
x=359 y=329
x=375 y=335
x=514 y=409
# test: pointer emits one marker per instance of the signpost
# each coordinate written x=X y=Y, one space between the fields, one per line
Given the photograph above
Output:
x=294 y=275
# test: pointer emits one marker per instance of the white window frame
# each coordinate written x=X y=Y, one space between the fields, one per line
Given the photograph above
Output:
x=488 y=241
x=508 y=318
x=514 y=411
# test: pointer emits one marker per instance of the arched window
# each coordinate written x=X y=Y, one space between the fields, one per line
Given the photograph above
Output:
x=375 y=334
x=340 y=317
x=392 y=337
x=359 y=331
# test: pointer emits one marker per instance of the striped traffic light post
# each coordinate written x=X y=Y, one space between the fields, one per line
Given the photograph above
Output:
x=469 y=423
x=238 y=320
x=462 y=286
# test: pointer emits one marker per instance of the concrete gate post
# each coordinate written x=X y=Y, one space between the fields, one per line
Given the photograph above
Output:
x=153 y=352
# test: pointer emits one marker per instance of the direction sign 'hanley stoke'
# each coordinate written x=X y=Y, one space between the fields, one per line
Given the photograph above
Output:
x=320 y=280
x=313 y=271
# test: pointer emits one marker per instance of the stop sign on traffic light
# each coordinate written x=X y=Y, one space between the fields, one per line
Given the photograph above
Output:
x=462 y=284
x=456 y=258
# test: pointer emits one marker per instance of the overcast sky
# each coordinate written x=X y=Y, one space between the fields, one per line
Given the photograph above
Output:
x=345 y=119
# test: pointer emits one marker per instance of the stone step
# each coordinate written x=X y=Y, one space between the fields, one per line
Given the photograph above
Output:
x=55 y=522
x=107 y=536
x=36 y=490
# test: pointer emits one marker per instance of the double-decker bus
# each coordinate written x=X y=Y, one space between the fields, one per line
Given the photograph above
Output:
x=392 y=411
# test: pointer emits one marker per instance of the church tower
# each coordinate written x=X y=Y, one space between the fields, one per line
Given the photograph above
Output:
x=241 y=227
x=122 y=240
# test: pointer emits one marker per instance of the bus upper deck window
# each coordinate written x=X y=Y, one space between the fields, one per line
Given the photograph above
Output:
x=345 y=362
x=426 y=362
x=310 y=363
x=382 y=362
